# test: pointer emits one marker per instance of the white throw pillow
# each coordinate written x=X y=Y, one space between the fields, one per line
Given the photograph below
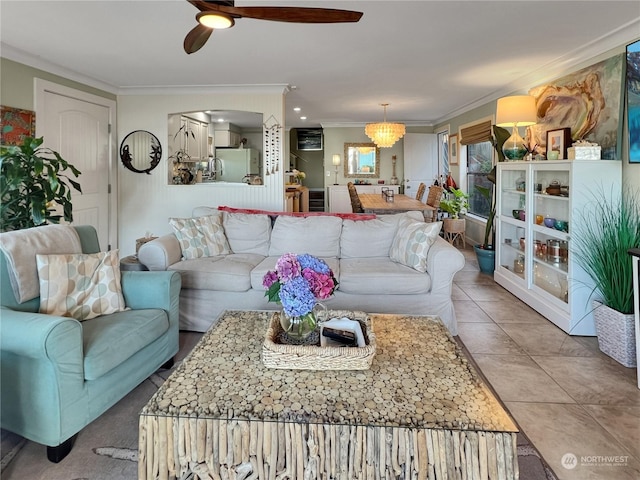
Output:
x=412 y=242
x=81 y=285
x=200 y=236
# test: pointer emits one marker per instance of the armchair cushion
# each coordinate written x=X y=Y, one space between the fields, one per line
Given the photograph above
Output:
x=110 y=340
x=82 y=286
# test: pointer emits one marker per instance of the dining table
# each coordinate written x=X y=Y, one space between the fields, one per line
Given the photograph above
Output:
x=398 y=203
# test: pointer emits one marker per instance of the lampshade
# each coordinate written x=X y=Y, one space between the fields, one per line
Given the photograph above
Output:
x=518 y=110
x=336 y=159
x=384 y=134
x=215 y=20
x=515 y=111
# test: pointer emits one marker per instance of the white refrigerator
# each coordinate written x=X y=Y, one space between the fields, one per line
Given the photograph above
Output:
x=238 y=162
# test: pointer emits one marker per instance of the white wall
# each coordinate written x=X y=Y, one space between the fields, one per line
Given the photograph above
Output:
x=146 y=202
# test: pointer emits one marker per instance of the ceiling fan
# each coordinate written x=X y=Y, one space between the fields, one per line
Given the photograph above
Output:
x=222 y=14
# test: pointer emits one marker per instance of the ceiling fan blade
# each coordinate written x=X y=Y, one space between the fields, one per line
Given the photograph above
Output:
x=196 y=38
x=291 y=14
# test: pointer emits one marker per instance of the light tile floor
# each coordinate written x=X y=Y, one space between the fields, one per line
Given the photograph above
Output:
x=566 y=396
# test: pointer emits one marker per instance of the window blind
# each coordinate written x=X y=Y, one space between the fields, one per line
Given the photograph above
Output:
x=478 y=133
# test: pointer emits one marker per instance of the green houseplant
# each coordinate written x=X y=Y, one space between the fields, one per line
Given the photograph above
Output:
x=610 y=226
x=457 y=205
x=32 y=180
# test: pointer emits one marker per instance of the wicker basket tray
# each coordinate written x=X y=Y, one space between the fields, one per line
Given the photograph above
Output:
x=315 y=357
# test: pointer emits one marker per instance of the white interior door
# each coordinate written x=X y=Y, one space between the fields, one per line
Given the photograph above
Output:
x=78 y=128
x=420 y=161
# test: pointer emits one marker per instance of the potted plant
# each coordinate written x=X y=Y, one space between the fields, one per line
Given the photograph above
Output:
x=456 y=205
x=485 y=253
x=610 y=226
x=32 y=182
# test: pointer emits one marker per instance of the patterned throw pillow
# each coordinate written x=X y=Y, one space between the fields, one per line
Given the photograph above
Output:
x=200 y=236
x=81 y=285
x=412 y=242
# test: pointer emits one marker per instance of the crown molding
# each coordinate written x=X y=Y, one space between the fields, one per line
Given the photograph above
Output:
x=410 y=123
x=20 y=56
x=275 y=88
x=576 y=59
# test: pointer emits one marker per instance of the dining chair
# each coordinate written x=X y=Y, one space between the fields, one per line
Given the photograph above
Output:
x=420 y=193
x=356 y=205
x=433 y=199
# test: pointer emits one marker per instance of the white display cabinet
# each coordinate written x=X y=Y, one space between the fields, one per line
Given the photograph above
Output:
x=536 y=261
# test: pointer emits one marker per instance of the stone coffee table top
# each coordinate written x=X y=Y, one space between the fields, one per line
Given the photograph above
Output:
x=419 y=378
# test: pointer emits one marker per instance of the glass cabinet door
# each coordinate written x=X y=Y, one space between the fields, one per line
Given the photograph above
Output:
x=550 y=222
x=513 y=184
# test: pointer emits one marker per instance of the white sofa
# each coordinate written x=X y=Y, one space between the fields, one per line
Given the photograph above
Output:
x=356 y=250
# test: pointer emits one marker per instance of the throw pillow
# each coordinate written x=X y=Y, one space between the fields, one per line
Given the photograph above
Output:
x=81 y=285
x=200 y=236
x=412 y=242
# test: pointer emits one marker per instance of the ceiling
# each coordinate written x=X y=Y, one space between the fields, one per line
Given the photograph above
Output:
x=429 y=60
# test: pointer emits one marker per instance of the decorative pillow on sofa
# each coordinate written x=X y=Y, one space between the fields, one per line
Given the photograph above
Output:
x=412 y=242
x=200 y=236
x=80 y=285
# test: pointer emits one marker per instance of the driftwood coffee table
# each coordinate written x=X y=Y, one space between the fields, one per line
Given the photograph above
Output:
x=421 y=411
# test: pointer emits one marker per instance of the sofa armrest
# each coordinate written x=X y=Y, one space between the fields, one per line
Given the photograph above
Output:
x=160 y=253
x=443 y=261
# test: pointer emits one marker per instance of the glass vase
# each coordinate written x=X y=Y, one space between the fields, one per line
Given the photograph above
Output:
x=298 y=328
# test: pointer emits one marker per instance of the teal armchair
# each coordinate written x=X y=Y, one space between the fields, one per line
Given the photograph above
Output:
x=59 y=374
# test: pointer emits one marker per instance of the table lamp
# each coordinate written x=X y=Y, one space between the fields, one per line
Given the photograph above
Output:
x=515 y=111
x=336 y=163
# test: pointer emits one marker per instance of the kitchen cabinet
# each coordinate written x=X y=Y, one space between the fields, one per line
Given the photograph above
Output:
x=190 y=136
x=227 y=138
x=536 y=259
x=339 y=201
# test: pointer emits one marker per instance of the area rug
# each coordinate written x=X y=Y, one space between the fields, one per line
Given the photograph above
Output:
x=107 y=449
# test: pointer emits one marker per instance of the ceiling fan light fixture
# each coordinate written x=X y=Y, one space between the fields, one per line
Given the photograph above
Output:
x=218 y=21
x=384 y=134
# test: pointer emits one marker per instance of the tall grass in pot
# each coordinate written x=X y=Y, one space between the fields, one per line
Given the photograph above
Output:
x=610 y=226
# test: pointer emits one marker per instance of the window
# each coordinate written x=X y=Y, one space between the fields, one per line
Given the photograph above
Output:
x=479 y=164
x=479 y=159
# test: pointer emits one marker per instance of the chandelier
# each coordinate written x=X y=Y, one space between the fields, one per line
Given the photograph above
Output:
x=384 y=134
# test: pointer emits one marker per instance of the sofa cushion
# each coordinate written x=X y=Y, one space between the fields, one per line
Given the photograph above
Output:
x=412 y=243
x=371 y=238
x=318 y=236
x=269 y=263
x=200 y=236
x=271 y=213
x=81 y=285
x=112 y=339
x=228 y=273
x=247 y=233
x=380 y=276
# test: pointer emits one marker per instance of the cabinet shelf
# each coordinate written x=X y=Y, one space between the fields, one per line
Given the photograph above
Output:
x=558 y=291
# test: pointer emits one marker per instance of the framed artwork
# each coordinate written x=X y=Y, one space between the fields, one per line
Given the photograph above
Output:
x=453 y=149
x=15 y=125
x=310 y=139
x=590 y=101
x=558 y=140
x=633 y=100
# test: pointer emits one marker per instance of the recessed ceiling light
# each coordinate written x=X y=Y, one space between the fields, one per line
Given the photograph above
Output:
x=221 y=120
x=296 y=109
x=303 y=118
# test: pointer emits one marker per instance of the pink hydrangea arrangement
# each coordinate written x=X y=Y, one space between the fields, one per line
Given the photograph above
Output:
x=298 y=282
